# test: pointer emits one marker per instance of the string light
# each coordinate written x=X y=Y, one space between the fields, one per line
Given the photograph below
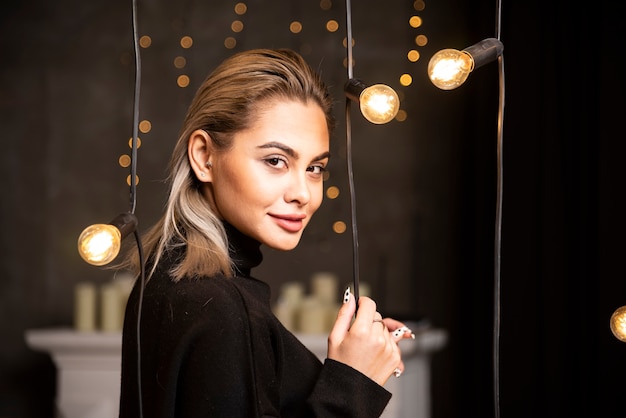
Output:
x=379 y=103
x=618 y=323
x=99 y=244
x=449 y=68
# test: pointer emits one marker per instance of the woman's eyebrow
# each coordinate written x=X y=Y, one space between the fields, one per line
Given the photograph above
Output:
x=288 y=150
x=322 y=156
x=291 y=152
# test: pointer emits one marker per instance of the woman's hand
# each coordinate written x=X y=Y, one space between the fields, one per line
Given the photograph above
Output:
x=368 y=344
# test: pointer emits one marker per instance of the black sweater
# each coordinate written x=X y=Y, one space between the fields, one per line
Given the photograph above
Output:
x=211 y=347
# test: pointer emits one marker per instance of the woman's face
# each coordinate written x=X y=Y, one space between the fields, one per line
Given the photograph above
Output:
x=269 y=183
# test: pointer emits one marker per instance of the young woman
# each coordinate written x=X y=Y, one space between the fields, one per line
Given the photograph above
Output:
x=247 y=171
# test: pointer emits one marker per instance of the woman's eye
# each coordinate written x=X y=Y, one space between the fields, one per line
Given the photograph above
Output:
x=276 y=161
x=317 y=169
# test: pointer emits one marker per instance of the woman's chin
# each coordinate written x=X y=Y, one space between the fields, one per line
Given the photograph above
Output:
x=282 y=245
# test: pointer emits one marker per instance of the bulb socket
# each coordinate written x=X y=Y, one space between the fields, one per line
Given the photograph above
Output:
x=126 y=223
x=353 y=89
x=485 y=51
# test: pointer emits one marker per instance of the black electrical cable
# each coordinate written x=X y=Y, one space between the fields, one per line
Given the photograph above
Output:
x=498 y=226
x=498 y=244
x=133 y=158
x=355 y=240
x=139 y=308
x=349 y=38
x=133 y=196
x=355 y=236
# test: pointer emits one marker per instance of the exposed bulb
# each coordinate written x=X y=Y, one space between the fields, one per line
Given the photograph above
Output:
x=379 y=103
x=449 y=68
x=99 y=244
x=618 y=323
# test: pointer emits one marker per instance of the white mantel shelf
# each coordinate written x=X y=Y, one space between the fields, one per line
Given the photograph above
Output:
x=88 y=371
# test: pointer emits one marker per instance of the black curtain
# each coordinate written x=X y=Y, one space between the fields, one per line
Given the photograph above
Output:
x=563 y=272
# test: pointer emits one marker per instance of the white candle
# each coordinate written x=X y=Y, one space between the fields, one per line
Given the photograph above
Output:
x=313 y=316
x=365 y=289
x=110 y=311
x=85 y=307
x=292 y=293
x=286 y=314
x=124 y=284
x=324 y=285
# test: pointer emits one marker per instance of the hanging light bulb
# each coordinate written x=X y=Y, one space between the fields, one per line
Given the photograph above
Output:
x=99 y=244
x=379 y=103
x=449 y=68
x=618 y=323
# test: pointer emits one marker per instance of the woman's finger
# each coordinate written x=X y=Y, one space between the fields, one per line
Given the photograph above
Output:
x=366 y=314
x=398 y=329
x=344 y=318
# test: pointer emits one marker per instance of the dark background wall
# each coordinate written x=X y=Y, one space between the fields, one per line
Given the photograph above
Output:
x=425 y=187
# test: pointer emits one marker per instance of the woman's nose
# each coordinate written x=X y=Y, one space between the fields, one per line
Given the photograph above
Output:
x=298 y=189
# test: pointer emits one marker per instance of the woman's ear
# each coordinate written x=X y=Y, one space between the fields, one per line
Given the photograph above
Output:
x=199 y=152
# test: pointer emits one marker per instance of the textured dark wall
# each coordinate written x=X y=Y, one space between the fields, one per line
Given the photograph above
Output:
x=67 y=88
x=425 y=187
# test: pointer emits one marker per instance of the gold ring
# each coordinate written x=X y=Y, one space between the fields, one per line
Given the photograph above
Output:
x=381 y=321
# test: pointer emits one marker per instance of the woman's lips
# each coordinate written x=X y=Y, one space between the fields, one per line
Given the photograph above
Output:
x=289 y=223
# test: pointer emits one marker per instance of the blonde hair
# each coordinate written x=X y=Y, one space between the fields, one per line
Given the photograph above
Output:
x=227 y=102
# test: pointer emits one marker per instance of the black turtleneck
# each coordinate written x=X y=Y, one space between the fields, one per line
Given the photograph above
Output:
x=211 y=347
